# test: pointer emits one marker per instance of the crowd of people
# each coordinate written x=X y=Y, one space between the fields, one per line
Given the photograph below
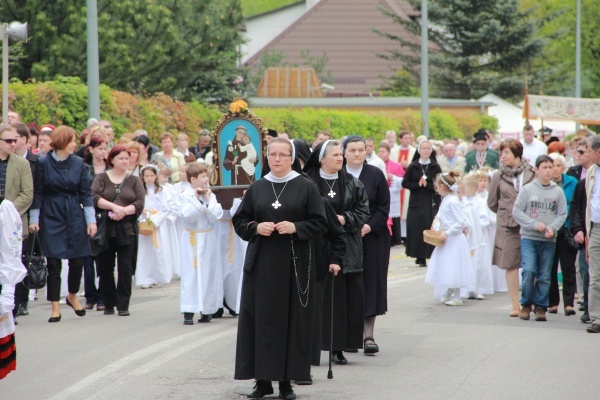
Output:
x=309 y=242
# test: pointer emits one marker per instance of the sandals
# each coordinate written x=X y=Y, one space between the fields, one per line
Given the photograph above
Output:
x=370 y=347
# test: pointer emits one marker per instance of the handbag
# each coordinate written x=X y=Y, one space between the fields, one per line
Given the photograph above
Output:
x=571 y=243
x=99 y=242
x=36 y=266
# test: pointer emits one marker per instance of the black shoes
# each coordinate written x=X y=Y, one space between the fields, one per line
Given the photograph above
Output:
x=55 y=319
x=109 y=311
x=231 y=312
x=585 y=318
x=421 y=262
x=261 y=389
x=124 y=313
x=205 y=318
x=338 y=358
x=285 y=391
x=304 y=383
x=569 y=312
x=370 y=347
x=80 y=313
x=351 y=350
x=594 y=328
x=188 y=318
x=23 y=309
x=219 y=313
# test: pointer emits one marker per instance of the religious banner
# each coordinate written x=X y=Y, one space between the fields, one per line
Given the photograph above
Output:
x=239 y=148
x=510 y=135
x=585 y=111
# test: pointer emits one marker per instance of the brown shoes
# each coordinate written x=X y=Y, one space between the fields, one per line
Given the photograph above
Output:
x=525 y=311
x=540 y=314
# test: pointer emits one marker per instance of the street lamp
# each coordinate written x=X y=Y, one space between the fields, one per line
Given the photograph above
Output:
x=16 y=31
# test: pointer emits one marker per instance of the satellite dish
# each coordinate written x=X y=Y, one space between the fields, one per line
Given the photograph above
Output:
x=17 y=31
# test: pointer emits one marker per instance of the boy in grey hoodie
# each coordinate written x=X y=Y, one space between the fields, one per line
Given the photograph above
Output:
x=540 y=210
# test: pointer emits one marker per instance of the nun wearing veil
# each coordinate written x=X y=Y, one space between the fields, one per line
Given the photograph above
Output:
x=280 y=217
x=424 y=201
x=347 y=196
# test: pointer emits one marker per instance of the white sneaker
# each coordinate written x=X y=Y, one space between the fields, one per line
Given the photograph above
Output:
x=454 y=302
x=446 y=296
x=479 y=296
x=146 y=286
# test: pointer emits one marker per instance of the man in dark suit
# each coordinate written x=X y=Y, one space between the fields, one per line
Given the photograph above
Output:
x=481 y=155
x=21 y=292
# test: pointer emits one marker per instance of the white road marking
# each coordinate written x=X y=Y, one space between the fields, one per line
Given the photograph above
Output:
x=197 y=338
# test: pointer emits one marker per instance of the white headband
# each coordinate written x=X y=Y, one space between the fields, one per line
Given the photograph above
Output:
x=145 y=167
x=322 y=152
x=453 y=187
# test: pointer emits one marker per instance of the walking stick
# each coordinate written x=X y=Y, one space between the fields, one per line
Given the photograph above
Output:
x=330 y=372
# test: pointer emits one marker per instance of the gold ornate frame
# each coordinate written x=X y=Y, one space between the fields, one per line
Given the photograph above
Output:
x=238 y=110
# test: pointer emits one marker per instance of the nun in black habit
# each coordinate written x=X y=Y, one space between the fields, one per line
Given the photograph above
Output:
x=347 y=196
x=424 y=201
x=376 y=236
x=281 y=215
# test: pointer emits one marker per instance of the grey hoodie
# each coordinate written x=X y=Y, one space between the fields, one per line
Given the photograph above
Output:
x=536 y=203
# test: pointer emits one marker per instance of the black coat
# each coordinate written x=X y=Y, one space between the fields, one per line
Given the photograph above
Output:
x=422 y=207
x=332 y=249
x=355 y=210
x=577 y=209
x=377 y=243
x=575 y=171
x=61 y=189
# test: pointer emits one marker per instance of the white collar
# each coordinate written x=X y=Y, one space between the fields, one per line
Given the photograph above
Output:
x=272 y=178
x=328 y=176
x=355 y=172
x=425 y=162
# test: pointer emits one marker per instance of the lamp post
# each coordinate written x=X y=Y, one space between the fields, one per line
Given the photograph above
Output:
x=424 y=69
x=93 y=61
x=16 y=31
x=578 y=56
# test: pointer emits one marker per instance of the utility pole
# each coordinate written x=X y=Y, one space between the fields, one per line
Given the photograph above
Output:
x=93 y=68
x=424 y=69
x=578 y=57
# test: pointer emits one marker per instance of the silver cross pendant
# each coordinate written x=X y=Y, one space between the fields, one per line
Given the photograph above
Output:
x=276 y=205
x=331 y=194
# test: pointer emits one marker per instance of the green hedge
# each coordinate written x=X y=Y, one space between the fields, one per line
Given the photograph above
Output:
x=64 y=101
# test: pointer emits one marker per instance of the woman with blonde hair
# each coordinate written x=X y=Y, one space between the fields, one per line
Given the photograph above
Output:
x=169 y=156
x=135 y=149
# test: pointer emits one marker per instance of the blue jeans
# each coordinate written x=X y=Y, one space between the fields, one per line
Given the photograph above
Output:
x=584 y=271
x=536 y=261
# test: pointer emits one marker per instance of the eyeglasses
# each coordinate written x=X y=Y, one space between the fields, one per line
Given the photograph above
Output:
x=581 y=152
x=280 y=156
x=9 y=141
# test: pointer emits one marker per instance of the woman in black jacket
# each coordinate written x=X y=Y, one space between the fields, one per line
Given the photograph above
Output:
x=348 y=198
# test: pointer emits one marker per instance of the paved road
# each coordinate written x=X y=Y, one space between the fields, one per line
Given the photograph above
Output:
x=428 y=351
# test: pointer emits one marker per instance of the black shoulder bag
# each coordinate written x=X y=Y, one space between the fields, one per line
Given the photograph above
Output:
x=36 y=266
x=99 y=242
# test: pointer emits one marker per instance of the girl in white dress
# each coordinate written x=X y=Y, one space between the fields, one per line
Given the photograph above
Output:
x=450 y=266
x=498 y=276
x=155 y=252
x=478 y=238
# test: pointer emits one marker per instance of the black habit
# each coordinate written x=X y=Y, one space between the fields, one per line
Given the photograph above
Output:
x=422 y=206
x=275 y=319
x=376 y=244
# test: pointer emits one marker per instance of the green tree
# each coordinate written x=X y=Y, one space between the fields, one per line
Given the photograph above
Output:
x=478 y=46
x=183 y=48
x=558 y=57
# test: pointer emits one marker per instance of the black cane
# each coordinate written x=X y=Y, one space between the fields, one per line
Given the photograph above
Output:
x=330 y=372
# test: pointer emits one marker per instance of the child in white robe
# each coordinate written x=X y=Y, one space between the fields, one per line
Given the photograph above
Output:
x=478 y=237
x=200 y=258
x=155 y=252
x=164 y=175
x=450 y=267
x=179 y=188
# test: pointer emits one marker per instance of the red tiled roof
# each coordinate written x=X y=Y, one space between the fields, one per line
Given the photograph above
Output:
x=343 y=29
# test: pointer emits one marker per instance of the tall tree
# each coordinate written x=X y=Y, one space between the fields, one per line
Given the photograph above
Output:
x=178 y=47
x=477 y=46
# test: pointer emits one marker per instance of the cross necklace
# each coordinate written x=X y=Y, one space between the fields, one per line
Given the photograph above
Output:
x=277 y=204
x=331 y=192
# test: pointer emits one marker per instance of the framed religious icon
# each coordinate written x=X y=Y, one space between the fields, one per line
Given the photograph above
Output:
x=239 y=149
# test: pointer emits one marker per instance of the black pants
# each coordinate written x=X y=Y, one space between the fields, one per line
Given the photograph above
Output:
x=396 y=231
x=566 y=256
x=117 y=294
x=21 y=292
x=92 y=294
x=73 y=280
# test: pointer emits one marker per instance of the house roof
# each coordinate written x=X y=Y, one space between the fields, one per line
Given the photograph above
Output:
x=276 y=10
x=364 y=102
x=343 y=30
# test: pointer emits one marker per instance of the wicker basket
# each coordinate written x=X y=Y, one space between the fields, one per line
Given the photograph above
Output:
x=146 y=228
x=433 y=237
